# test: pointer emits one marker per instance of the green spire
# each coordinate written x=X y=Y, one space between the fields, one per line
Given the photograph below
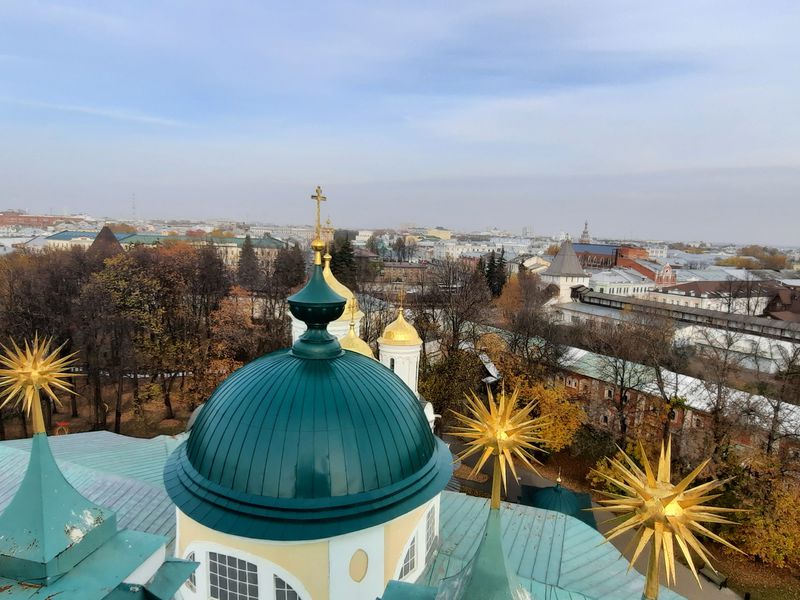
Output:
x=490 y=578
x=317 y=305
x=49 y=527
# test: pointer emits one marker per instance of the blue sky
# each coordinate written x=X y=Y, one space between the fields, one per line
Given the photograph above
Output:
x=674 y=120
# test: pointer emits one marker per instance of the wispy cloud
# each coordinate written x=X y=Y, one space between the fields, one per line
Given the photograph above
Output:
x=101 y=112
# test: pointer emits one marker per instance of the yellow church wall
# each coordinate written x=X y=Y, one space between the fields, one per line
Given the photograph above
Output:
x=302 y=560
x=395 y=535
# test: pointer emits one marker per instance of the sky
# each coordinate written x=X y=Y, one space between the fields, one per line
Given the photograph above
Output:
x=673 y=120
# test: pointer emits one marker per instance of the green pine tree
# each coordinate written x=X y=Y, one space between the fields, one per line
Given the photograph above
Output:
x=343 y=261
x=501 y=273
x=248 y=274
x=491 y=272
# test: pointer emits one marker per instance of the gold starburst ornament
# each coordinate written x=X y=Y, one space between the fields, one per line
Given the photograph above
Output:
x=501 y=430
x=663 y=513
x=27 y=371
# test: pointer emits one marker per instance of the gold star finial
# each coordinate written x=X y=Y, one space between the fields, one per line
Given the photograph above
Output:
x=656 y=509
x=500 y=430
x=28 y=370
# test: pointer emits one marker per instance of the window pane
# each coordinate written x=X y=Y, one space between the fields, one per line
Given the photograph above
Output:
x=430 y=532
x=283 y=591
x=410 y=559
x=231 y=578
x=191 y=583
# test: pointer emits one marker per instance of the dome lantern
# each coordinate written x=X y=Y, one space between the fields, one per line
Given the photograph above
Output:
x=316 y=305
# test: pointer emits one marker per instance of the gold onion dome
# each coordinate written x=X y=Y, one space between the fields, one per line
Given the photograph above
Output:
x=400 y=332
x=337 y=286
x=350 y=341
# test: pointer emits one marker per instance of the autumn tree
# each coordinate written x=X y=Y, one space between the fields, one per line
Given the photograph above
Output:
x=535 y=334
x=445 y=383
x=770 y=528
x=565 y=415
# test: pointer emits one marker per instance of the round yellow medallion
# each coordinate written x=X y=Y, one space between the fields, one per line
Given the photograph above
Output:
x=358 y=565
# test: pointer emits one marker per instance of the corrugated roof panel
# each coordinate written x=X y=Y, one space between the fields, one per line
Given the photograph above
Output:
x=555 y=556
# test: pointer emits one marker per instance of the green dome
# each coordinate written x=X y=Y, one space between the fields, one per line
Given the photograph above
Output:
x=289 y=448
x=308 y=443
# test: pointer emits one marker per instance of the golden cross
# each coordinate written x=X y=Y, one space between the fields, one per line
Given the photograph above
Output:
x=319 y=198
x=401 y=294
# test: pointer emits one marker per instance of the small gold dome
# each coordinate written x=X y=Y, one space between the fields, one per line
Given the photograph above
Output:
x=337 y=286
x=350 y=341
x=400 y=332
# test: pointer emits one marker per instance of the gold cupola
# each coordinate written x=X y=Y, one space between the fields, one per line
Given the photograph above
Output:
x=400 y=332
x=350 y=341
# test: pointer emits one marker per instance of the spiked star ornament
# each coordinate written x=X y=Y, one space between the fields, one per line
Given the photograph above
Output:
x=500 y=430
x=663 y=513
x=28 y=370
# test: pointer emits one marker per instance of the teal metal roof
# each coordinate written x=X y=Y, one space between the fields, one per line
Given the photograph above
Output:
x=555 y=557
x=95 y=577
x=139 y=505
x=488 y=577
x=49 y=527
x=559 y=499
x=136 y=458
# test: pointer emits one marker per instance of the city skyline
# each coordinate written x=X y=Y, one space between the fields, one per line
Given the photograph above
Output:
x=657 y=122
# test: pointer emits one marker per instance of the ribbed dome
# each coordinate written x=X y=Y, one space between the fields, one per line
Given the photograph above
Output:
x=289 y=448
x=400 y=332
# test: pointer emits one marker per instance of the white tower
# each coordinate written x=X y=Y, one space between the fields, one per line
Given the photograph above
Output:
x=399 y=348
x=566 y=272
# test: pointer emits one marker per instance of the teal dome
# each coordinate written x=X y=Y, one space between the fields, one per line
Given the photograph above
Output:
x=294 y=447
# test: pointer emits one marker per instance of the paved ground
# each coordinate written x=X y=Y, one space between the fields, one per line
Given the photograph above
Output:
x=685 y=583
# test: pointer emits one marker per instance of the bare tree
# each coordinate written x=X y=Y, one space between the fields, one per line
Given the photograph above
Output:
x=535 y=333
x=782 y=395
x=720 y=359
x=463 y=297
x=619 y=347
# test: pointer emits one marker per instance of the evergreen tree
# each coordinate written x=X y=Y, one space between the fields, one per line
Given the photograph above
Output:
x=491 y=272
x=343 y=261
x=248 y=271
x=290 y=267
x=501 y=274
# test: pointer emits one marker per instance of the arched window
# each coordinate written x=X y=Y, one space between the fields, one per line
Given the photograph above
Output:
x=410 y=559
x=430 y=532
x=231 y=578
x=191 y=583
x=283 y=591
x=391 y=364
